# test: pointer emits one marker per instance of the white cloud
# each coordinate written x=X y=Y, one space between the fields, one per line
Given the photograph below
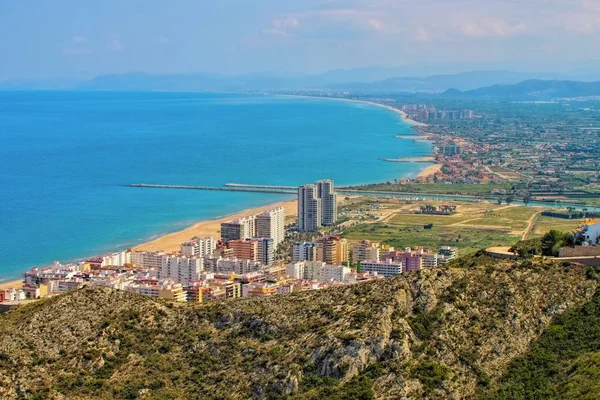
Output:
x=280 y=27
x=422 y=35
x=115 y=43
x=76 y=51
x=275 y=32
x=376 y=24
x=78 y=39
x=283 y=23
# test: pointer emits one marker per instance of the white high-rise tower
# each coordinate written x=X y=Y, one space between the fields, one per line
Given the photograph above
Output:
x=271 y=224
x=328 y=198
x=309 y=209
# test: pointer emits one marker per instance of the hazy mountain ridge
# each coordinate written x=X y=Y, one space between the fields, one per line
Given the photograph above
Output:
x=533 y=88
x=446 y=333
x=490 y=83
x=343 y=80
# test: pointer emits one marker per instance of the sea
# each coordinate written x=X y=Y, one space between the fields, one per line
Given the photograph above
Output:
x=66 y=156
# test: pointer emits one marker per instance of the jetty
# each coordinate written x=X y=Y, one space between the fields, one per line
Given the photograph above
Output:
x=249 y=189
x=409 y=159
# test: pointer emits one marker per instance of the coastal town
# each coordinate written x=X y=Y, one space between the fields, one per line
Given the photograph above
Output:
x=538 y=151
x=256 y=255
x=328 y=241
x=274 y=253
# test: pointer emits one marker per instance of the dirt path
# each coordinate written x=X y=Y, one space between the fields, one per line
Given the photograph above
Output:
x=530 y=225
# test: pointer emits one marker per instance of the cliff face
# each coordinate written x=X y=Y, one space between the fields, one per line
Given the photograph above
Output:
x=446 y=334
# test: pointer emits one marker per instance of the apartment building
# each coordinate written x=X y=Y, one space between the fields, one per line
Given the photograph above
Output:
x=271 y=224
x=304 y=251
x=201 y=247
x=365 y=251
x=317 y=206
x=231 y=265
x=309 y=209
x=244 y=249
x=238 y=229
x=328 y=196
x=332 y=250
x=182 y=269
x=384 y=268
x=317 y=271
x=265 y=250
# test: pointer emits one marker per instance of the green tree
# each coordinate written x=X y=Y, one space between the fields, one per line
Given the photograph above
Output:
x=553 y=241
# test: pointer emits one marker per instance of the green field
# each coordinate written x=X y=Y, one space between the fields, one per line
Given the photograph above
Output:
x=544 y=224
x=438 y=188
x=466 y=239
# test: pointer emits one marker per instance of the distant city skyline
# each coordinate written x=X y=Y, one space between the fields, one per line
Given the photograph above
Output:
x=80 y=40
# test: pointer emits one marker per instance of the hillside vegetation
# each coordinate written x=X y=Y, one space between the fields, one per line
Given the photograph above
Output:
x=453 y=333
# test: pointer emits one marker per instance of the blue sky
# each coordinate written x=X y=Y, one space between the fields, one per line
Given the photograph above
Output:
x=67 y=38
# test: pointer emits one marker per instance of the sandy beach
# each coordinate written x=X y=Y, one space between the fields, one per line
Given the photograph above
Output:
x=172 y=241
x=11 y=284
x=430 y=170
x=394 y=109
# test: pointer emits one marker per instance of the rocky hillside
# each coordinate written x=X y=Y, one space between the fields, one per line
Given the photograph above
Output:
x=444 y=334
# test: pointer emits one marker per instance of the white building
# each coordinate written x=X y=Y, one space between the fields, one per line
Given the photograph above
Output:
x=265 y=250
x=382 y=268
x=309 y=209
x=147 y=259
x=317 y=271
x=430 y=260
x=200 y=247
x=181 y=268
x=336 y=273
x=118 y=259
x=447 y=253
x=231 y=265
x=590 y=233
x=242 y=228
x=365 y=251
x=271 y=224
x=328 y=196
x=304 y=251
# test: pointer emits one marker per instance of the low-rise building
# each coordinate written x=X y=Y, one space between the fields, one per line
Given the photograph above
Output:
x=384 y=268
x=447 y=253
x=165 y=289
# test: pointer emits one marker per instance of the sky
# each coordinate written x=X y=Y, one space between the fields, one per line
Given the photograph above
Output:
x=85 y=38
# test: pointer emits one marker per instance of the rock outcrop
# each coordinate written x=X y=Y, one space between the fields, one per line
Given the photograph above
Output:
x=432 y=334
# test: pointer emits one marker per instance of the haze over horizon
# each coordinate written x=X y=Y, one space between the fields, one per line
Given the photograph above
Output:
x=76 y=40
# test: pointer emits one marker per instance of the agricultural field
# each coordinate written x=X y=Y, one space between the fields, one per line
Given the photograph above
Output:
x=545 y=224
x=475 y=225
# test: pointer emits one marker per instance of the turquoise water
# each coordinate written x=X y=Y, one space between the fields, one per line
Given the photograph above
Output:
x=65 y=155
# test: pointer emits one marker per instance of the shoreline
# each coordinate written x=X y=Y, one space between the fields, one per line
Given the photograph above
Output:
x=404 y=115
x=430 y=170
x=210 y=227
x=170 y=242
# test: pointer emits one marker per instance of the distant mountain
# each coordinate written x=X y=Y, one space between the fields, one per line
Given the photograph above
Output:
x=439 y=83
x=533 y=89
x=356 y=81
